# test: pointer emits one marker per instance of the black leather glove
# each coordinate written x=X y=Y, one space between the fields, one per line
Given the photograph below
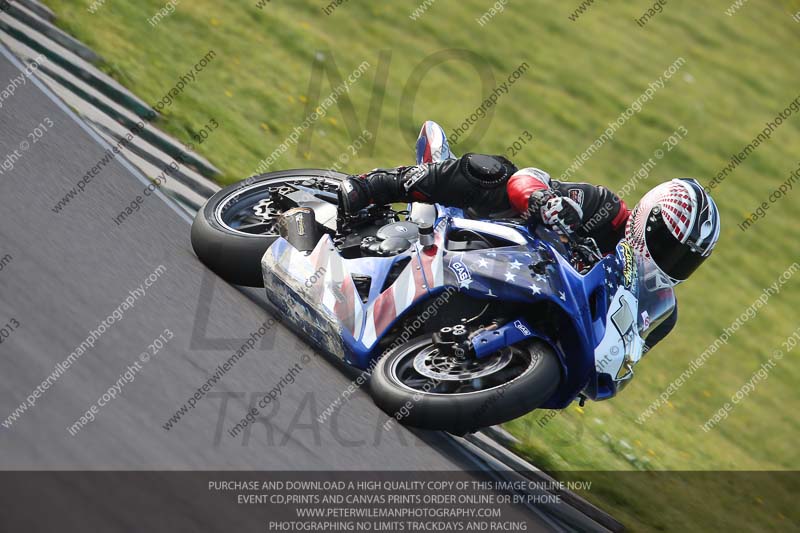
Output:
x=536 y=202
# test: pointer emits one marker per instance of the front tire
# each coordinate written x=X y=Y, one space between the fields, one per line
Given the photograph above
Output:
x=402 y=386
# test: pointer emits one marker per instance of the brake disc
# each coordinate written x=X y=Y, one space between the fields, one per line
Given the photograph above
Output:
x=266 y=210
x=431 y=363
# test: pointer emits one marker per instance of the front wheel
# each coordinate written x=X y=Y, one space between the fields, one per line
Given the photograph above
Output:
x=417 y=385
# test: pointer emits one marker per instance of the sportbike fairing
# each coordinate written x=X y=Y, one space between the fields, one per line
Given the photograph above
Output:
x=318 y=295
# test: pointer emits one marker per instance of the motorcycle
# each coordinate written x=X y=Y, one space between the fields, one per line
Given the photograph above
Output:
x=462 y=323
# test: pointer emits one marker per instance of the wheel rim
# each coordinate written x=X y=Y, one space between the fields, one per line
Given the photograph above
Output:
x=422 y=368
x=251 y=210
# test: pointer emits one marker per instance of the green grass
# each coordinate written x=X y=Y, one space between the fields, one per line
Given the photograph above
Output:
x=740 y=71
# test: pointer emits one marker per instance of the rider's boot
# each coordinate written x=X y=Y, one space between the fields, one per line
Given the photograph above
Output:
x=473 y=180
x=382 y=186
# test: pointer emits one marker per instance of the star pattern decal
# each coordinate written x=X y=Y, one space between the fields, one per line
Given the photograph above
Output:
x=499 y=273
x=613 y=278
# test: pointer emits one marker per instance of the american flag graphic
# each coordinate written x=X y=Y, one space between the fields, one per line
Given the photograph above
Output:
x=336 y=292
x=498 y=273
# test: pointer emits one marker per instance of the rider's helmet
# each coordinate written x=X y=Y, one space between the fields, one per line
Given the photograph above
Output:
x=675 y=226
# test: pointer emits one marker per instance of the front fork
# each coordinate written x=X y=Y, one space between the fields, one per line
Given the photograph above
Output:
x=458 y=342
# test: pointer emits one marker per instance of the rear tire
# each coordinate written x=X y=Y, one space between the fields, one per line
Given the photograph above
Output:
x=462 y=413
x=232 y=255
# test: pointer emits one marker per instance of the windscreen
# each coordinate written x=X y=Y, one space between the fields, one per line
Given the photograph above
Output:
x=656 y=297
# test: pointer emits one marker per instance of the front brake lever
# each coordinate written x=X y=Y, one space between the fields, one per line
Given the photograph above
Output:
x=591 y=254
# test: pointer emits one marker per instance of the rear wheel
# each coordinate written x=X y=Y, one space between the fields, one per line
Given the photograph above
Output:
x=424 y=388
x=236 y=226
